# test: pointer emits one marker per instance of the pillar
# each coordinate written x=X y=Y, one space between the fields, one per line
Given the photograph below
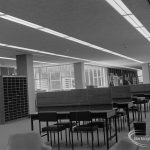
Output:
x=25 y=68
x=146 y=73
x=79 y=75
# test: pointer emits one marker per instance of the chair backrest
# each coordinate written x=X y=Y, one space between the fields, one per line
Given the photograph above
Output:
x=80 y=116
x=48 y=116
x=25 y=141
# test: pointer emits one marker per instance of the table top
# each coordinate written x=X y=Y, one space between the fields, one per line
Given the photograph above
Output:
x=125 y=104
x=100 y=113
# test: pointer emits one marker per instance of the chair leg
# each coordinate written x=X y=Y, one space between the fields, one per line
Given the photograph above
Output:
x=92 y=140
x=104 y=136
x=61 y=134
x=81 y=138
x=69 y=135
x=72 y=140
x=145 y=109
x=97 y=138
x=51 y=138
x=77 y=136
x=87 y=138
x=54 y=138
x=66 y=137
x=110 y=127
x=47 y=132
x=58 y=141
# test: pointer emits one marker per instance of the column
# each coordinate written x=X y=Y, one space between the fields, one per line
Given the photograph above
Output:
x=146 y=73
x=25 y=68
x=79 y=75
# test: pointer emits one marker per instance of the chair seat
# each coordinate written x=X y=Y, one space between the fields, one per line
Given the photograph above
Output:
x=66 y=124
x=26 y=141
x=134 y=108
x=85 y=128
x=53 y=128
x=121 y=113
x=99 y=124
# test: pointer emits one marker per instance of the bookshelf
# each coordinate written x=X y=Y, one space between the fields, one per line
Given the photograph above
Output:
x=14 y=98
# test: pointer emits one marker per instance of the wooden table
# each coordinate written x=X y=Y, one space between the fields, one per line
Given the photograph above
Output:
x=126 y=106
x=105 y=114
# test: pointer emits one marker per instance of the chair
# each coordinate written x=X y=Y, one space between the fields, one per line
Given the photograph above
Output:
x=83 y=118
x=49 y=129
x=68 y=126
x=101 y=125
x=125 y=144
x=26 y=141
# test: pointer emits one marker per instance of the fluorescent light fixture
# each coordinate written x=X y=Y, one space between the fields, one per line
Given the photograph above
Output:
x=53 y=32
x=148 y=39
x=128 y=15
x=41 y=52
x=131 y=21
x=48 y=53
x=78 y=41
x=116 y=6
x=14 y=59
x=1 y=14
x=126 y=67
x=21 y=21
x=42 y=62
x=136 y=20
x=49 y=31
x=146 y=31
x=123 y=6
x=1 y=44
x=7 y=58
x=142 y=32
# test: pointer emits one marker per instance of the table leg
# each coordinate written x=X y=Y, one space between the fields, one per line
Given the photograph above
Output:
x=116 y=129
x=107 y=138
x=128 y=118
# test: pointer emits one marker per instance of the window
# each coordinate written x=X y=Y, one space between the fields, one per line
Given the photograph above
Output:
x=96 y=76
x=51 y=78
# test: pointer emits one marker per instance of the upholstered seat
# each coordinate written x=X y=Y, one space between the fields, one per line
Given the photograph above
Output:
x=85 y=128
x=53 y=128
x=26 y=141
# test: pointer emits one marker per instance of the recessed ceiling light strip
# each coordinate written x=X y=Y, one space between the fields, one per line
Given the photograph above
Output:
x=123 y=6
x=122 y=9
x=91 y=62
x=131 y=21
x=41 y=52
x=9 y=58
x=21 y=21
x=49 y=31
x=43 y=62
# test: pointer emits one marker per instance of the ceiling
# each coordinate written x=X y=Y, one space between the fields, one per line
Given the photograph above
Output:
x=93 y=21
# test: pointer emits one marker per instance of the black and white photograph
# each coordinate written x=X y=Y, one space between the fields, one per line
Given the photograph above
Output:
x=74 y=74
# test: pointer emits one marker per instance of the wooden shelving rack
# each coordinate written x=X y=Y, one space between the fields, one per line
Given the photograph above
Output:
x=13 y=98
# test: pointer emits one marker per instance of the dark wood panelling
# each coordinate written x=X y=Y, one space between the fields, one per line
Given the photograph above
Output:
x=99 y=96
x=14 y=98
x=140 y=88
x=74 y=99
x=120 y=92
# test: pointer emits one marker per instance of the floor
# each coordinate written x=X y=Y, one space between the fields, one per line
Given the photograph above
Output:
x=21 y=126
